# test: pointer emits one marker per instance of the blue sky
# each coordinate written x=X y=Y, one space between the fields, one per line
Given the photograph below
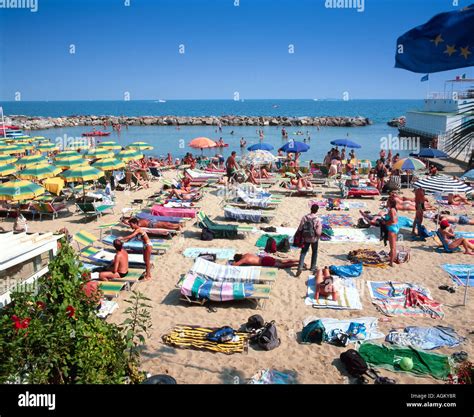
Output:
x=135 y=49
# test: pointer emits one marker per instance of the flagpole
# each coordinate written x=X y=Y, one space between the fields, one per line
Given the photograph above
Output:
x=3 y=124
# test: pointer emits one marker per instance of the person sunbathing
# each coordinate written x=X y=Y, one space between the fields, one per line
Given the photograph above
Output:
x=463 y=219
x=183 y=195
x=457 y=199
x=372 y=178
x=408 y=203
x=447 y=232
x=373 y=219
x=326 y=284
x=119 y=267
x=249 y=259
x=150 y=224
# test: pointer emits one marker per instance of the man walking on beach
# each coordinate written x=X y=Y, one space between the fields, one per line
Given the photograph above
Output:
x=231 y=165
x=311 y=229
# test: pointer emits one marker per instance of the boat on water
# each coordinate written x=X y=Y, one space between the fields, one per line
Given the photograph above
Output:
x=12 y=133
x=441 y=113
x=96 y=133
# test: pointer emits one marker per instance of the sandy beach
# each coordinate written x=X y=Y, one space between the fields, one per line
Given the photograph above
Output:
x=311 y=363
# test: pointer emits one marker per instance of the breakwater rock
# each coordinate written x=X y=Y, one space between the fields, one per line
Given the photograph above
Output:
x=39 y=123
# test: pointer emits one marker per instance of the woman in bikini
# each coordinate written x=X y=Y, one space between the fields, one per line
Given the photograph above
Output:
x=391 y=222
x=149 y=224
x=453 y=242
x=147 y=245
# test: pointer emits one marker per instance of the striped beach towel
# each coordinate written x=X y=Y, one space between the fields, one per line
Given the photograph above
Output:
x=349 y=297
x=221 y=253
x=460 y=272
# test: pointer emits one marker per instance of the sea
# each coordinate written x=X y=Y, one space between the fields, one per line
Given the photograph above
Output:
x=175 y=139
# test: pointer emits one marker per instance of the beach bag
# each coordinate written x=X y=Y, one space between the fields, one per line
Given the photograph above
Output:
x=254 y=323
x=206 y=234
x=307 y=231
x=211 y=257
x=363 y=223
x=298 y=239
x=221 y=335
x=271 y=245
x=314 y=332
x=267 y=338
x=354 y=363
x=403 y=255
x=284 y=245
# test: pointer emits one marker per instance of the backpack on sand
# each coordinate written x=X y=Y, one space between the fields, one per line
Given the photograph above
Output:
x=271 y=245
x=363 y=223
x=314 y=332
x=267 y=337
x=254 y=323
x=284 y=245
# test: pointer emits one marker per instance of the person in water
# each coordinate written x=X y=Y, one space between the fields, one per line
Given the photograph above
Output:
x=147 y=245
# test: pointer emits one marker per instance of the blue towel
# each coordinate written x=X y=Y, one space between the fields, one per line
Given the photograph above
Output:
x=405 y=221
x=346 y=271
x=459 y=273
x=427 y=338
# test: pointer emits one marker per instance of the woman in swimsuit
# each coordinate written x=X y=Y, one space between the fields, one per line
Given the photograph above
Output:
x=391 y=222
x=153 y=225
x=453 y=243
x=457 y=199
x=147 y=245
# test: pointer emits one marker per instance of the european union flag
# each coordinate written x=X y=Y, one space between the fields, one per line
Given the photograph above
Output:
x=443 y=43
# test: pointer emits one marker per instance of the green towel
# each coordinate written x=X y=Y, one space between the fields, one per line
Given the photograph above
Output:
x=262 y=240
x=423 y=363
x=223 y=231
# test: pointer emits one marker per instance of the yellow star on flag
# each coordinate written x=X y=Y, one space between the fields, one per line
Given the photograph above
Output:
x=450 y=50
x=437 y=40
x=465 y=52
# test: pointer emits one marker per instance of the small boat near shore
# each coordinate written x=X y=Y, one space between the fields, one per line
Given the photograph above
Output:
x=96 y=133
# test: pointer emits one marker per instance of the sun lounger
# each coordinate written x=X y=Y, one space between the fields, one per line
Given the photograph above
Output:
x=362 y=192
x=194 y=337
x=136 y=245
x=221 y=231
x=152 y=218
x=261 y=201
x=158 y=210
x=95 y=209
x=84 y=238
x=221 y=253
x=154 y=232
x=230 y=273
x=252 y=216
x=48 y=209
x=104 y=257
x=111 y=289
x=134 y=274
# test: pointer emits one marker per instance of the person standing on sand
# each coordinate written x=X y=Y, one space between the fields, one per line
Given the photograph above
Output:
x=420 y=209
x=311 y=229
x=391 y=222
x=147 y=245
x=231 y=165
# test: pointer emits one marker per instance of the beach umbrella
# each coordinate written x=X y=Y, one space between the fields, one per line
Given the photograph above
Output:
x=39 y=172
x=98 y=153
x=67 y=158
x=409 y=164
x=11 y=149
x=141 y=146
x=442 y=184
x=260 y=146
x=31 y=160
x=109 y=164
x=294 y=146
x=54 y=185
x=346 y=143
x=20 y=190
x=26 y=146
x=63 y=163
x=469 y=175
x=7 y=169
x=82 y=173
x=430 y=153
x=258 y=158
x=7 y=159
x=47 y=147
x=202 y=143
x=130 y=155
x=109 y=145
x=64 y=154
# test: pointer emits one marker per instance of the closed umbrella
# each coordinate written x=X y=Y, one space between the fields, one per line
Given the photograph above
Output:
x=260 y=146
x=17 y=190
x=346 y=143
x=442 y=184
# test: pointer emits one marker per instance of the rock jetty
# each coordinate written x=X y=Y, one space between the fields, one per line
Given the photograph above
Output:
x=397 y=122
x=39 y=123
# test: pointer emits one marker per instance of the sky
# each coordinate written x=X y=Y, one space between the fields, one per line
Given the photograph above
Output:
x=228 y=48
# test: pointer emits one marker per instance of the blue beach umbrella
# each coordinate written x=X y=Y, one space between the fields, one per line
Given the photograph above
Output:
x=294 y=146
x=345 y=142
x=260 y=147
x=469 y=175
x=430 y=153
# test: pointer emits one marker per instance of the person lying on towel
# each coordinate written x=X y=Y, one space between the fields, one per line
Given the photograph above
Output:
x=152 y=225
x=249 y=259
x=326 y=284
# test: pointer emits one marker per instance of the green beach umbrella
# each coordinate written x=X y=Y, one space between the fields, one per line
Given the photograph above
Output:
x=109 y=164
x=11 y=149
x=69 y=163
x=109 y=145
x=26 y=146
x=47 y=147
x=7 y=169
x=141 y=146
x=68 y=158
x=82 y=173
x=98 y=153
x=39 y=172
x=7 y=159
x=130 y=155
x=64 y=154
x=31 y=160
x=20 y=190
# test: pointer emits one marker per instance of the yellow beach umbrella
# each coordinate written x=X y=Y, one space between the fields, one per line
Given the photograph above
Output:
x=31 y=160
x=39 y=172
x=17 y=190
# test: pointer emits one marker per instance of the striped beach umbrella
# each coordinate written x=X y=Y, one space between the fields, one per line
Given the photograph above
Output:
x=409 y=164
x=47 y=147
x=69 y=163
x=64 y=154
x=31 y=160
x=98 y=153
x=7 y=159
x=130 y=155
x=7 y=169
x=141 y=146
x=82 y=173
x=20 y=190
x=67 y=158
x=26 y=146
x=11 y=149
x=442 y=184
x=109 y=145
x=39 y=172
x=108 y=164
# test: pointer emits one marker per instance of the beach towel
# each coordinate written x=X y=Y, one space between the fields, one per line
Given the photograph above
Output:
x=158 y=210
x=426 y=338
x=349 y=298
x=452 y=207
x=331 y=324
x=368 y=257
x=104 y=257
x=221 y=253
x=136 y=245
x=405 y=221
x=467 y=235
x=353 y=235
x=393 y=298
x=262 y=240
x=155 y=219
x=273 y=377
x=194 y=337
x=258 y=200
x=235 y=213
x=460 y=272
x=388 y=357
x=353 y=205
x=346 y=271
x=320 y=203
x=337 y=220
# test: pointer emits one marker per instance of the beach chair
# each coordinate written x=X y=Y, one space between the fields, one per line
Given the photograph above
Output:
x=262 y=200
x=95 y=209
x=136 y=245
x=105 y=258
x=221 y=231
x=155 y=173
x=112 y=289
x=44 y=208
x=444 y=244
x=251 y=216
x=133 y=277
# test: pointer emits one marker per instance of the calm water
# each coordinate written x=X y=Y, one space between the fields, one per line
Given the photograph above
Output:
x=169 y=139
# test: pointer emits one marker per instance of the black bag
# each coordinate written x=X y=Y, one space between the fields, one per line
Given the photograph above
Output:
x=254 y=323
x=284 y=245
x=206 y=234
x=267 y=338
x=211 y=257
x=363 y=223
x=354 y=363
x=271 y=245
x=341 y=339
x=269 y=229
